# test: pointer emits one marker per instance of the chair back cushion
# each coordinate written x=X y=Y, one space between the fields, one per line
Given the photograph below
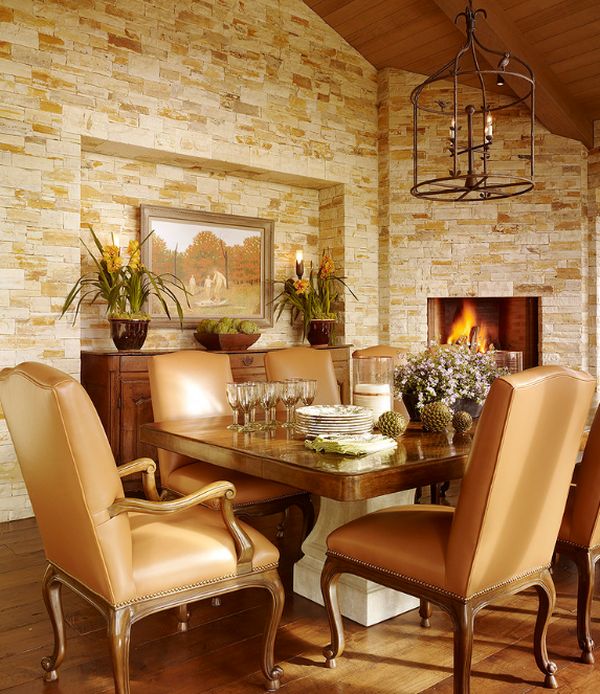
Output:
x=584 y=506
x=515 y=488
x=183 y=385
x=71 y=477
x=305 y=362
x=397 y=354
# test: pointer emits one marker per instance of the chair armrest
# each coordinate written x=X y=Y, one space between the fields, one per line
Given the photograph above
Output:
x=216 y=490
x=148 y=469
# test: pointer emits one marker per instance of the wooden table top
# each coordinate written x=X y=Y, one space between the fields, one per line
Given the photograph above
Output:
x=420 y=459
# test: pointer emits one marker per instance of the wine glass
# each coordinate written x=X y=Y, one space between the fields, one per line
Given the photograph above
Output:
x=290 y=394
x=247 y=398
x=255 y=394
x=231 y=390
x=308 y=390
x=269 y=394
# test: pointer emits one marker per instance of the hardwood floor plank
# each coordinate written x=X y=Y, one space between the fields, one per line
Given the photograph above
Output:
x=220 y=653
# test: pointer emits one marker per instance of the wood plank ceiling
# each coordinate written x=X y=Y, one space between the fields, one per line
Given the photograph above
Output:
x=560 y=39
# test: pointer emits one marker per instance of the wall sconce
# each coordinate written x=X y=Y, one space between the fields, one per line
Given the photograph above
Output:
x=299 y=264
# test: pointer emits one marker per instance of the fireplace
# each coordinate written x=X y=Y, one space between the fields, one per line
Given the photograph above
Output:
x=507 y=323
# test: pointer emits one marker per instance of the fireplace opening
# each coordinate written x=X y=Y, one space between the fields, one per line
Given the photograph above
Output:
x=505 y=324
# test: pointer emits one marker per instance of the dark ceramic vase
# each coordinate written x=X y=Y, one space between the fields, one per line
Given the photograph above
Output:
x=128 y=334
x=320 y=331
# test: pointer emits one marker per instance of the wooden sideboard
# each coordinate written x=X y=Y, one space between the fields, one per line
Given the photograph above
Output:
x=117 y=383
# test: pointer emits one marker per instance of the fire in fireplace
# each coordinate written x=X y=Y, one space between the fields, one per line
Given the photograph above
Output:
x=509 y=324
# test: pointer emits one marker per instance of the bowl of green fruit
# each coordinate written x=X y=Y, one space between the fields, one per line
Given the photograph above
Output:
x=229 y=334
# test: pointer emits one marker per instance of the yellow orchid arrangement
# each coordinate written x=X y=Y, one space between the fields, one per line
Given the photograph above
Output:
x=125 y=286
x=314 y=297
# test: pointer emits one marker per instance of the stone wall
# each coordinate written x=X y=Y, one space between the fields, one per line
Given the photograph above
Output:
x=255 y=108
x=534 y=245
x=259 y=99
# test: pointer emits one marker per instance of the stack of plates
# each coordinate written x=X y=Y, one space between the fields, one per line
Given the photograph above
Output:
x=315 y=420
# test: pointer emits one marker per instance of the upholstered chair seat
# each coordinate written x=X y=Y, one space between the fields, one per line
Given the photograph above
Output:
x=500 y=538
x=579 y=534
x=127 y=557
x=192 y=384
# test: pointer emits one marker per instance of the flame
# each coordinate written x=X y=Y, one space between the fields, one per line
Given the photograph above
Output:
x=462 y=325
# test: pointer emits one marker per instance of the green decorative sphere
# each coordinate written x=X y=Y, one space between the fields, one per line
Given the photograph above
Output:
x=436 y=416
x=462 y=421
x=392 y=424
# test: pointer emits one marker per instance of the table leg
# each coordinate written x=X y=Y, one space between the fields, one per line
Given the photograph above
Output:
x=363 y=601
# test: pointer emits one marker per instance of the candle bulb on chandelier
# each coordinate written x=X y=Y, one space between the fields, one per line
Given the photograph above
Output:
x=489 y=127
x=299 y=264
x=452 y=129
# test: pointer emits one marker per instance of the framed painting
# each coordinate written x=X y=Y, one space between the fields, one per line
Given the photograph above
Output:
x=225 y=262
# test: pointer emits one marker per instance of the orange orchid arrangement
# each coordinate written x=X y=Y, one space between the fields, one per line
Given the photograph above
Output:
x=125 y=286
x=314 y=297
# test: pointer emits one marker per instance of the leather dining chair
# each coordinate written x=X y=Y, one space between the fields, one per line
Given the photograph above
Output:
x=579 y=534
x=305 y=362
x=190 y=384
x=129 y=558
x=500 y=538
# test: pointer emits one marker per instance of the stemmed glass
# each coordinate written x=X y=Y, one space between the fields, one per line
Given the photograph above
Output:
x=247 y=399
x=231 y=390
x=269 y=394
x=290 y=394
x=308 y=390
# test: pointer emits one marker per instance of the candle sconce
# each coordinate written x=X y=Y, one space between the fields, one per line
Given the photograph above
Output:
x=299 y=264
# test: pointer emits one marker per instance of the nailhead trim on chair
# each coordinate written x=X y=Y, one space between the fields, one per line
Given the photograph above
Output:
x=430 y=585
x=174 y=591
x=575 y=544
x=264 y=501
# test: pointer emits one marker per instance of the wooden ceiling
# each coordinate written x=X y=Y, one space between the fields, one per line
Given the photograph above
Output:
x=559 y=39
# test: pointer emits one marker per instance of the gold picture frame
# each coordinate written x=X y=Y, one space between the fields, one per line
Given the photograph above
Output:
x=225 y=261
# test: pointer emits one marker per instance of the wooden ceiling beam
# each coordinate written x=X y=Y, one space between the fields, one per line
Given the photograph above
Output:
x=554 y=106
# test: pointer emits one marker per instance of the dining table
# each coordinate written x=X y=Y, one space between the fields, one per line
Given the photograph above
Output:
x=348 y=487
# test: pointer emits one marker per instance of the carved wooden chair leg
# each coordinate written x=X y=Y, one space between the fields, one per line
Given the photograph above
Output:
x=119 y=631
x=183 y=618
x=281 y=525
x=271 y=671
x=434 y=494
x=547 y=598
x=463 y=617
x=425 y=612
x=329 y=580
x=51 y=589
x=585 y=592
x=444 y=487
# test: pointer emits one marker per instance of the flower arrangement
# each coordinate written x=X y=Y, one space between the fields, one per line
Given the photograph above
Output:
x=314 y=297
x=125 y=286
x=447 y=373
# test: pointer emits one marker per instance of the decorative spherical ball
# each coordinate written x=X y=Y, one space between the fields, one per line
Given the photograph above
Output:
x=392 y=424
x=462 y=421
x=436 y=416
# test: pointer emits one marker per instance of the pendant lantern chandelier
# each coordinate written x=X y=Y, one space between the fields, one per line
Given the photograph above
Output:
x=461 y=119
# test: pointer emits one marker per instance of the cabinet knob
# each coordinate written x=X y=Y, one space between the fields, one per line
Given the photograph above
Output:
x=247 y=360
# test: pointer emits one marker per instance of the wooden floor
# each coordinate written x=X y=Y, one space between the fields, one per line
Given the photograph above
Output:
x=220 y=652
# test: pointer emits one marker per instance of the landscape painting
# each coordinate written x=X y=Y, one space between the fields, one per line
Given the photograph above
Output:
x=224 y=261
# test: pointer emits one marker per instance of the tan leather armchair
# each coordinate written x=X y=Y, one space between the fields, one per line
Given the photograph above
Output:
x=579 y=534
x=127 y=557
x=192 y=384
x=305 y=362
x=500 y=538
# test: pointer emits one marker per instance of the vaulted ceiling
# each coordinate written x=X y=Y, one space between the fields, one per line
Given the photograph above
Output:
x=559 y=39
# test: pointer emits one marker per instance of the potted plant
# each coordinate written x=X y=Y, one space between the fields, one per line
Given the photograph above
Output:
x=226 y=333
x=126 y=287
x=453 y=374
x=312 y=300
